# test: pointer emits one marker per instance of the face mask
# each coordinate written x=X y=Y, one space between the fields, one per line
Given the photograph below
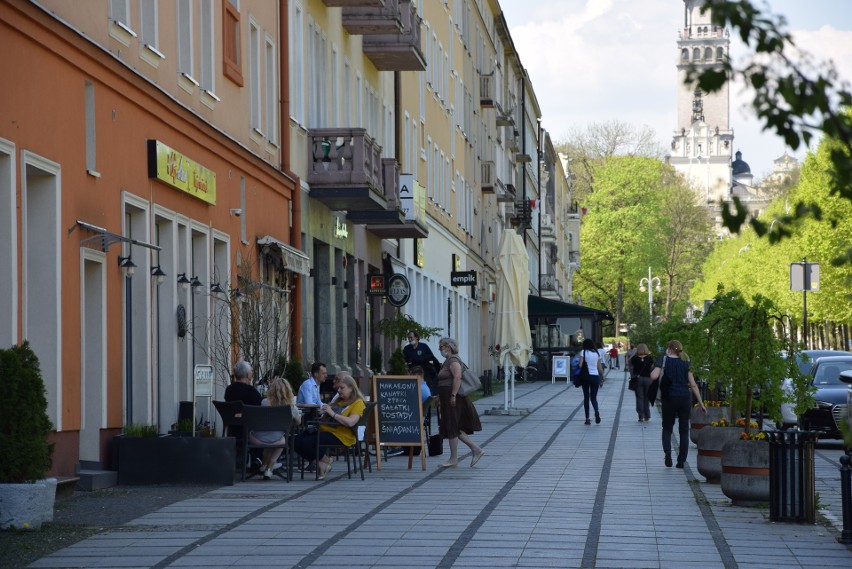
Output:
x=412 y=342
x=443 y=353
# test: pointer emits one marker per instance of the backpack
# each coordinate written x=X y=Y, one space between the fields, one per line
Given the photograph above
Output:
x=578 y=373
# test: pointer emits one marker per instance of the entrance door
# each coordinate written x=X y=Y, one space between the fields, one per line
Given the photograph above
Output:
x=93 y=357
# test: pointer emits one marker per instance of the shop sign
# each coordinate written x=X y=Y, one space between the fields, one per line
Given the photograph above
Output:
x=340 y=229
x=176 y=170
x=376 y=285
x=203 y=380
x=399 y=290
x=412 y=198
x=463 y=278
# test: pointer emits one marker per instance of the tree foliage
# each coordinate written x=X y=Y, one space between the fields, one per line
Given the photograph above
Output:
x=792 y=97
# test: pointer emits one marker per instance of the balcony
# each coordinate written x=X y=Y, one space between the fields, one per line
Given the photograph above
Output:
x=353 y=3
x=398 y=51
x=487 y=184
x=486 y=90
x=508 y=195
x=551 y=287
x=381 y=20
x=345 y=169
x=546 y=229
x=522 y=216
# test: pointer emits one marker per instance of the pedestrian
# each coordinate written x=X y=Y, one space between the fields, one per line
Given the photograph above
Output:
x=458 y=416
x=676 y=382
x=602 y=352
x=416 y=353
x=592 y=358
x=242 y=390
x=641 y=365
x=613 y=356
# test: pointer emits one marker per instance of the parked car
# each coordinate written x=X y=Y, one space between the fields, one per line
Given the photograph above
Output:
x=846 y=377
x=830 y=397
x=805 y=360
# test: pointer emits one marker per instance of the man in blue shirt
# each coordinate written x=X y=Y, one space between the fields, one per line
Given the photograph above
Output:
x=309 y=391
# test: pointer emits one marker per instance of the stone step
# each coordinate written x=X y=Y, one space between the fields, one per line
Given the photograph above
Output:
x=97 y=479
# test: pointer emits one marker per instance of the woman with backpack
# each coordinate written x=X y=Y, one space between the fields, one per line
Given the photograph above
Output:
x=593 y=374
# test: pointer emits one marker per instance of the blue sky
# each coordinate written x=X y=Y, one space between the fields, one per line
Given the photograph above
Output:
x=596 y=60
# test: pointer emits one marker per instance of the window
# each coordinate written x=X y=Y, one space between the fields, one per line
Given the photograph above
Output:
x=91 y=147
x=119 y=12
x=254 y=76
x=184 y=38
x=271 y=101
x=231 y=54
x=208 y=59
x=297 y=66
x=148 y=24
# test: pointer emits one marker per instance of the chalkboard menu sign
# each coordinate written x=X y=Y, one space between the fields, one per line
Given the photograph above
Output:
x=400 y=411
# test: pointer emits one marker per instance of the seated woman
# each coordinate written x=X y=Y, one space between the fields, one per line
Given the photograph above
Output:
x=425 y=392
x=336 y=425
x=279 y=393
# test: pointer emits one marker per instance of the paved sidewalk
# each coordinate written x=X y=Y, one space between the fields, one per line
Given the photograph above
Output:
x=549 y=492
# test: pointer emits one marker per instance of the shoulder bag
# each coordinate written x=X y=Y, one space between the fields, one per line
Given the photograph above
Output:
x=469 y=381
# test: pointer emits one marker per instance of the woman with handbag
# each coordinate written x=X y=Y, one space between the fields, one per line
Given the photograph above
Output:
x=458 y=416
x=641 y=366
x=593 y=377
x=676 y=381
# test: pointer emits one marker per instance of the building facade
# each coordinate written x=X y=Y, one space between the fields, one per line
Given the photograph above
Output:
x=142 y=171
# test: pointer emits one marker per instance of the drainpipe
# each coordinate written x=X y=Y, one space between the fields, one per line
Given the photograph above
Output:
x=296 y=198
x=524 y=201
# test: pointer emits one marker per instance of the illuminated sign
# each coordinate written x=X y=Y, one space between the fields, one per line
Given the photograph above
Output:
x=176 y=170
x=376 y=285
x=463 y=278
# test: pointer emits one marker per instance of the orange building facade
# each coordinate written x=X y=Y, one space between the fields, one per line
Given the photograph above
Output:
x=104 y=166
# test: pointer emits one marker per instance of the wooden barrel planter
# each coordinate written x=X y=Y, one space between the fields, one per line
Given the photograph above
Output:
x=698 y=420
x=710 y=443
x=745 y=472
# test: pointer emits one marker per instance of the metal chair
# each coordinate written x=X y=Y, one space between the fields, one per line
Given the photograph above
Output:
x=357 y=450
x=231 y=413
x=257 y=418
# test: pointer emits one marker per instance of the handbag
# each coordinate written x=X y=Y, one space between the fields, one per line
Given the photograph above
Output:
x=631 y=385
x=436 y=445
x=469 y=382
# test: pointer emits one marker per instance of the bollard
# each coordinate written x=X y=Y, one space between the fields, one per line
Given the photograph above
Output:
x=846 y=497
x=791 y=476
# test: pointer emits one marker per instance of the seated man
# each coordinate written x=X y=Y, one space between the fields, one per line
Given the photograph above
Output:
x=309 y=391
x=241 y=389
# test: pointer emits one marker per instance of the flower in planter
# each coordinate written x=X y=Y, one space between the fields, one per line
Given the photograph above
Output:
x=741 y=422
x=723 y=422
x=708 y=403
x=758 y=436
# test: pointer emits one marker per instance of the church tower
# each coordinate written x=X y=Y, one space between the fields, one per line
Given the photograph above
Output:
x=703 y=140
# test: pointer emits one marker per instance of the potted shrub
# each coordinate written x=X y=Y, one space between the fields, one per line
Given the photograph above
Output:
x=742 y=350
x=26 y=497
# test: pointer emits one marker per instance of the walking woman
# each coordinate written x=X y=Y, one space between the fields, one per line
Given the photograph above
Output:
x=676 y=382
x=592 y=358
x=641 y=366
x=458 y=419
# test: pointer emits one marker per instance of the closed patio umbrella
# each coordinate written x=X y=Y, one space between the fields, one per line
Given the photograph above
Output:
x=512 y=325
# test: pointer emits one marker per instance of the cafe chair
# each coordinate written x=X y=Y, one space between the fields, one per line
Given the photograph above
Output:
x=356 y=451
x=257 y=418
x=231 y=413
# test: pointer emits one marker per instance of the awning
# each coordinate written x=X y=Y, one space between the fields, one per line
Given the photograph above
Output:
x=547 y=308
x=294 y=260
x=106 y=238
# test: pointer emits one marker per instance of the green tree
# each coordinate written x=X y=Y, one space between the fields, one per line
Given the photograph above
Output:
x=792 y=97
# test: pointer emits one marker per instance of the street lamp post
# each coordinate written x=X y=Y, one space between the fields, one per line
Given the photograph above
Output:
x=650 y=282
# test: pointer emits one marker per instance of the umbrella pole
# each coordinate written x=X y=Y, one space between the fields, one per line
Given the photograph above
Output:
x=512 y=398
x=505 y=383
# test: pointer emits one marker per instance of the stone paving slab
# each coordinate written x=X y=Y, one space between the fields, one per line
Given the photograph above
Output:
x=550 y=492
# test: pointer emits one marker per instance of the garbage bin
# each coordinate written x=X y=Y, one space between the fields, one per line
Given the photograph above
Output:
x=485 y=378
x=791 y=476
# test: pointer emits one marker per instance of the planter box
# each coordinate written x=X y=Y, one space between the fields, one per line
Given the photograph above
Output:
x=698 y=420
x=28 y=505
x=175 y=460
x=745 y=472
x=710 y=443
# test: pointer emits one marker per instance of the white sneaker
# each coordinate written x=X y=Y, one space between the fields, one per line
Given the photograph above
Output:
x=267 y=474
x=277 y=465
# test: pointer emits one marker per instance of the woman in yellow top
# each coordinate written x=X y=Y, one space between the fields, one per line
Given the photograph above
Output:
x=336 y=428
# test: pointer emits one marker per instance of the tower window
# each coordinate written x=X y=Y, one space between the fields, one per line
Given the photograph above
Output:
x=696 y=54
x=708 y=54
x=684 y=55
x=720 y=54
